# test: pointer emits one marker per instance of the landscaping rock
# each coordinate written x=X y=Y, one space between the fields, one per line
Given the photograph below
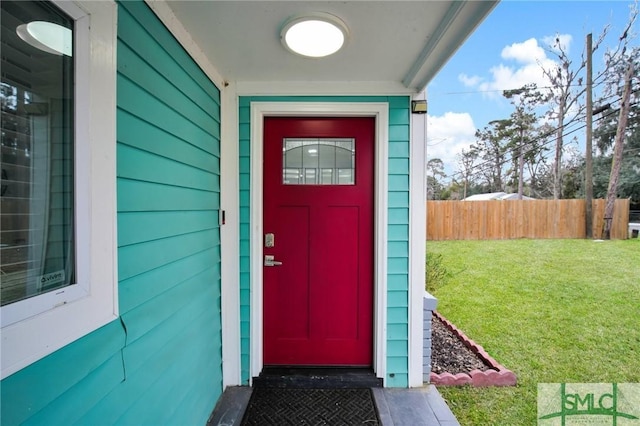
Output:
x=457 y=360
x=449 y=354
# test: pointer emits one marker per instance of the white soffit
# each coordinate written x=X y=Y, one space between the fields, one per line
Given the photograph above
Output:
x=399 y=43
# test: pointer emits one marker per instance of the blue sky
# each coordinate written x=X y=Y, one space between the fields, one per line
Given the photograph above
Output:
x=505 y=52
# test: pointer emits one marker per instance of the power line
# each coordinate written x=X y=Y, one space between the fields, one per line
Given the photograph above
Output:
x=576 y=118
x=545 y=135
x=472 y=92
x=513 y=150
x=534 y=148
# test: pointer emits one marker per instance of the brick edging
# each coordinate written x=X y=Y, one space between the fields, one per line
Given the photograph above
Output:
x=497 y=375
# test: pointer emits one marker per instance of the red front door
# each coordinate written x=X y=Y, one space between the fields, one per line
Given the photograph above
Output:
x=318 y=222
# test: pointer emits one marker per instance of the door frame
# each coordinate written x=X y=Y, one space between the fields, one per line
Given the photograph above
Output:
x=378 y=110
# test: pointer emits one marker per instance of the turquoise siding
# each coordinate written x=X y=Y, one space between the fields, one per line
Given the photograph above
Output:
x=162 y=362
x=398 y=228
x=398 y=244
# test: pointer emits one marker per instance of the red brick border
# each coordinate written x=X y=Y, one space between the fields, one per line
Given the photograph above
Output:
x=497 y=375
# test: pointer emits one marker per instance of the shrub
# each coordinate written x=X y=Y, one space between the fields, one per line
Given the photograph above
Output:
x=436 y=272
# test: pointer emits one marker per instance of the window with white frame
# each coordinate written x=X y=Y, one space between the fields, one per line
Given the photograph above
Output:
x=57 y=231
x=37 y=245
x=318 y=161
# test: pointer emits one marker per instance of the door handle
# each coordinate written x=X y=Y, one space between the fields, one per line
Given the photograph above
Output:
x=269 y=260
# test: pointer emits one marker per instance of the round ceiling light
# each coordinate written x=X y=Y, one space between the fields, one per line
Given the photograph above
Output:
x=47 y=36
x=315 y=36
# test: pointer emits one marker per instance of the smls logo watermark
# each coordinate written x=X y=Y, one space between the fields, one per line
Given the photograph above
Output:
x=567 y=404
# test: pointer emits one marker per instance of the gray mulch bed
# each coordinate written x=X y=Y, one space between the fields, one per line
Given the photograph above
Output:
x=449 y=354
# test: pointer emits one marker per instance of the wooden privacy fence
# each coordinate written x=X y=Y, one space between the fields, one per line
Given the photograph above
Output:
x=509 y=219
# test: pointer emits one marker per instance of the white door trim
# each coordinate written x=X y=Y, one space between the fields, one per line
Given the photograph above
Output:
x=379 y=110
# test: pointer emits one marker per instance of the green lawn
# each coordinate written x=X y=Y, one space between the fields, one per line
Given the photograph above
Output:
x=549 y=310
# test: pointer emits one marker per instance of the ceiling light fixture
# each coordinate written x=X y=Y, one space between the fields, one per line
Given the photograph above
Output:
x=315 y=35
x=47 y=36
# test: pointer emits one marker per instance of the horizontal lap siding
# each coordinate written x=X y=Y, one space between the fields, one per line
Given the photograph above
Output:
x=168 y=234
x=398 y=228
x=398 y=245
x=244 y=153
x=78 y=375
x=162 y=362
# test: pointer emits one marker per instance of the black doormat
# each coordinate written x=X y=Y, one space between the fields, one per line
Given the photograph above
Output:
x=317 y=378
x=278 y=406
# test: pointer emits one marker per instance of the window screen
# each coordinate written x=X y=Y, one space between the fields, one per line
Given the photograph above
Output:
x=37 y=247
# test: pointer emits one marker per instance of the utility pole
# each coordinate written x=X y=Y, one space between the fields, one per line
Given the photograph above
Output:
x=588 y=160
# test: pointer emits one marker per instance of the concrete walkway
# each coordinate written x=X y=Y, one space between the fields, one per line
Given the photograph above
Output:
x=397 y=407
x=417 y=407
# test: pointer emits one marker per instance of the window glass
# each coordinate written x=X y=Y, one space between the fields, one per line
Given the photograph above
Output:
x=37 y=237
x=318 y=161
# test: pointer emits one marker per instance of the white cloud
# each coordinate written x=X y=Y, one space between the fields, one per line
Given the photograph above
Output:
x=505 y=77
x=469 y=81
x=522 y=64
x=527 y=52
x=529 y=58
x=449 y=134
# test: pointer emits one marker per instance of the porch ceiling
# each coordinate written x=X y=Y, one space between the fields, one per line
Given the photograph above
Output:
x=398 y=45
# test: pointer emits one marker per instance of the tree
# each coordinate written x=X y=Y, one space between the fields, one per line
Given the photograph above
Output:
x=565 y=92
x=466 y=161
x=617 y=155
x=435 y=172
x=519 y=127
x=622 y=61
x=535 y=160
x=629 y=177
x=629 y=180
x=618 y=64
x=492 y=150
x=573 y=171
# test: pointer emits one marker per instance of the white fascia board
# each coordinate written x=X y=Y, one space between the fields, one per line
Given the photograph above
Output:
x=322 y=88
x=164 y=12
x=457 y=25
x=432 y=42
x=417 y=242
